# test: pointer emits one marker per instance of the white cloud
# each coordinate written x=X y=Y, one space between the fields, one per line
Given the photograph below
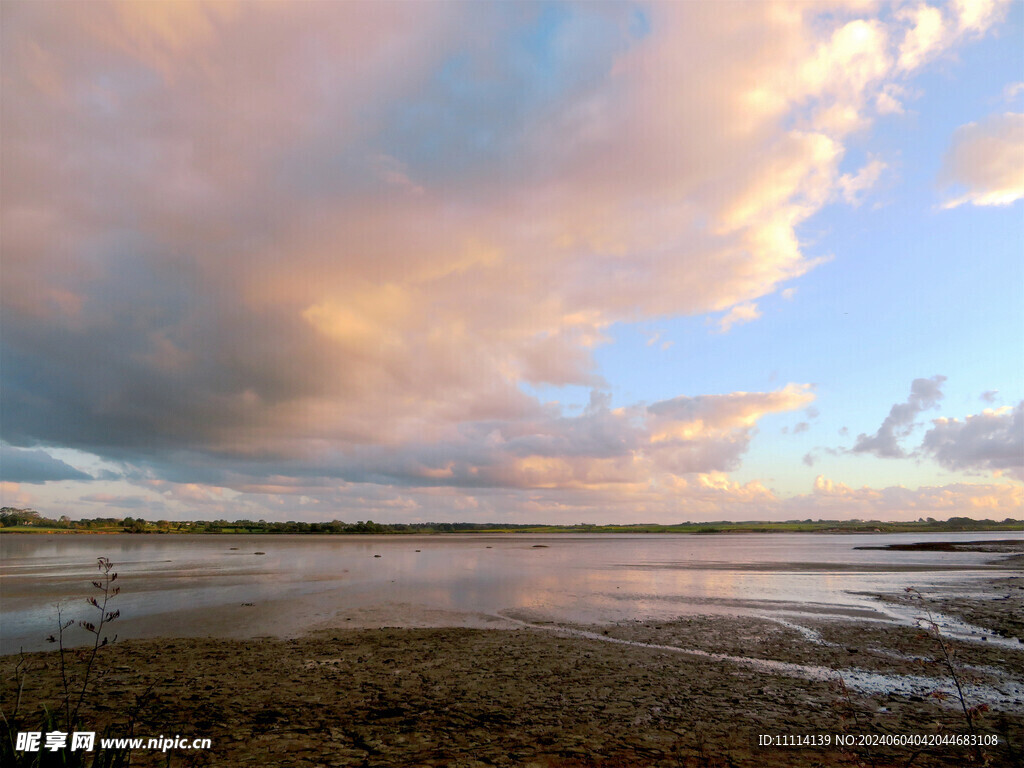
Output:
x=738 y=315
x=976 y=15
x=889 y=100
x=932 y=29
x=924 y=37
x=854 y=185
x=991 y=441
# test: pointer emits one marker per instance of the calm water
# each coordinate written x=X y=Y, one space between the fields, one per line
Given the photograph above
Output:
x=200 y=585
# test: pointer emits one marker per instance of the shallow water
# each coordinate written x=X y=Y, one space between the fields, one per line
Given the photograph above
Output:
x=192 y=585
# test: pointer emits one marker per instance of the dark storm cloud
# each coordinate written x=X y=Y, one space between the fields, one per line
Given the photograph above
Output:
x=34 y=466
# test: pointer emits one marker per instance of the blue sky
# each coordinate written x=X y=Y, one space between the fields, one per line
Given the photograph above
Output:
x=910 y=291
x=531 y=262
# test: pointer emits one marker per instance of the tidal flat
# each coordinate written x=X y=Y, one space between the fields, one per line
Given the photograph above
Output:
x=540 y=687
x=698 y=691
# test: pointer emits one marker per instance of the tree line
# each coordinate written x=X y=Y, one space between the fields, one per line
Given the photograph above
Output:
x=31 y=520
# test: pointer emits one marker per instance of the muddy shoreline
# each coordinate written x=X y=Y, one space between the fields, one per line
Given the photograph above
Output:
x=560 y=695
x=990 y=545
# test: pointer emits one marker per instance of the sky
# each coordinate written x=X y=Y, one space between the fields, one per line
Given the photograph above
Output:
x=521 y=262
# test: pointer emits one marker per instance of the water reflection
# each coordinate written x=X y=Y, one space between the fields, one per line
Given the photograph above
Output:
x=188 y=585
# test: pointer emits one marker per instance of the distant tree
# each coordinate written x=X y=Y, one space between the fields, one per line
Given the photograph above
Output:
x=137 y=526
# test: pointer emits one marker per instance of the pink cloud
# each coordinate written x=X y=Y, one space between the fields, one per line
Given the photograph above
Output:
x=12 y=495
x=985 y=161
x=325 y=234
x=898 y=503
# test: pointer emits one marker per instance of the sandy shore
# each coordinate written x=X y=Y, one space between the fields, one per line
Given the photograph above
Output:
x=562 y=696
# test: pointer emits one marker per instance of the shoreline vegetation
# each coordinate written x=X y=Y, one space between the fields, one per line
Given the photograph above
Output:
x=15 y=520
